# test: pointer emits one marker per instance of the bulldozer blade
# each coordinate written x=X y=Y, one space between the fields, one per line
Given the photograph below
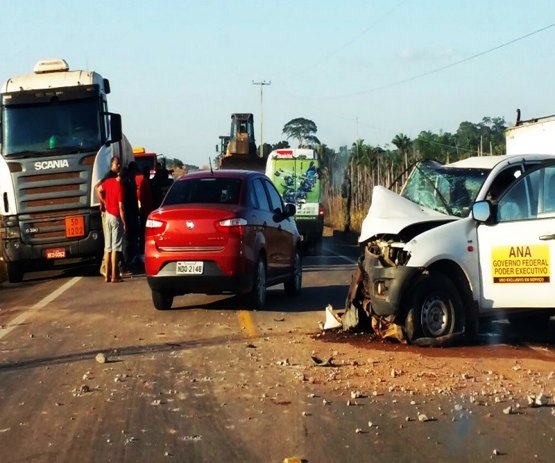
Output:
x=243 y=163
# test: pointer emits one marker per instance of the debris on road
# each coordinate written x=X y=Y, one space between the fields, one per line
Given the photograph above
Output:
x=332 y=320
x=101 y=358
x=318 y=362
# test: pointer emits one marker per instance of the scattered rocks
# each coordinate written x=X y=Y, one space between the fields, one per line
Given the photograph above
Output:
x=508 y=410
x=101 y=358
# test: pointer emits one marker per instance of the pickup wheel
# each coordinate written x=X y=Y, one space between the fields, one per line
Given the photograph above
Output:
x=293 y=285
x=161 y=300
x=435 y=308
x=256 y=298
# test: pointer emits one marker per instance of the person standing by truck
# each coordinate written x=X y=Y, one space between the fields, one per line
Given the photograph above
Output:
x=110 y=195
x=144 y=197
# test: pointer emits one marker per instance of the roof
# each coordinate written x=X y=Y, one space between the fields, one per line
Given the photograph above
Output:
x=221 y=173
x=489 y=162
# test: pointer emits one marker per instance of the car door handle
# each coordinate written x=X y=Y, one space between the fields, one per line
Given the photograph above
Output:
x=547 y=237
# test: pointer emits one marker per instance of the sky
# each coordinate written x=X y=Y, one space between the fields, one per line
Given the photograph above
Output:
x=360 y=69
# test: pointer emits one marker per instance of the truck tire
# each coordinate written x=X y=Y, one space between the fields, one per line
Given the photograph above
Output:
x=293 y=285
x=256 y=298
x=435 y=308
x=14 y=271
x=161 y=300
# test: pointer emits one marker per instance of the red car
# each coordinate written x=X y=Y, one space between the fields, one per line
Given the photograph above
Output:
x=226 y=231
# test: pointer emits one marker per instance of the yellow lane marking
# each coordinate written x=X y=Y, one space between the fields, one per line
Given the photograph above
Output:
x=247 y=323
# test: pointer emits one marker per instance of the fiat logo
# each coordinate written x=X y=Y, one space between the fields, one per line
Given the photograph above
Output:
x=189 y=224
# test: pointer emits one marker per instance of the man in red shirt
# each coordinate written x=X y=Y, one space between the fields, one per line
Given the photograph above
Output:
x=110 y=195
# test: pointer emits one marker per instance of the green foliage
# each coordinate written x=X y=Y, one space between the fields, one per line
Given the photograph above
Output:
x=280 y=145
x=172 y=163
x=303 y=130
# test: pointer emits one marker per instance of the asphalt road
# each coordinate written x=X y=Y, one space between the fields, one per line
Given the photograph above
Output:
x=211 y=381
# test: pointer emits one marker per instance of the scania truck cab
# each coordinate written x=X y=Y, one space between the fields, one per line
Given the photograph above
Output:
x=56 y=139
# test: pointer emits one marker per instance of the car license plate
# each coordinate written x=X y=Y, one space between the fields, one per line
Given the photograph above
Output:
x=56 y=253
x=75 y=226
x=189 y=268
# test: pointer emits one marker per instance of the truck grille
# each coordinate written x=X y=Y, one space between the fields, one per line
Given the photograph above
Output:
x=46 y=199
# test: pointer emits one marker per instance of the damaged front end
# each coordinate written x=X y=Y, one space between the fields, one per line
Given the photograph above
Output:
x=383 y=276
x=377 y=287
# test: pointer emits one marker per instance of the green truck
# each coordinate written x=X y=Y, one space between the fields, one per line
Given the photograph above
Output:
x=296 y=174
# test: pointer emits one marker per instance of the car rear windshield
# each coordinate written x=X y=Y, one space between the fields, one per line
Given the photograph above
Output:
x=208 y=190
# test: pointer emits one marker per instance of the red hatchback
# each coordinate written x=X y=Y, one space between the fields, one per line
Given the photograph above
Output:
x=226 y=231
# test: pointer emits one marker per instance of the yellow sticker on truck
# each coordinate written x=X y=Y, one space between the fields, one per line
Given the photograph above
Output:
x=520 y=264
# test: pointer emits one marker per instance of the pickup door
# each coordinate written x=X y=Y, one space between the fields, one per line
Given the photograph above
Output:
x=517 y=252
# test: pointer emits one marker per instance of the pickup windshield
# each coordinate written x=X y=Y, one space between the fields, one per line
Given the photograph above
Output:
x=449 y=190
x=44 y=128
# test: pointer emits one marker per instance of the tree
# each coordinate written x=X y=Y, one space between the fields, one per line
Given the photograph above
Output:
x=280 y=145
x=403 y=144
x=303 y=130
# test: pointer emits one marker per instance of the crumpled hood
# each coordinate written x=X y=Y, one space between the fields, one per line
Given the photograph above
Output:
x=390 y=213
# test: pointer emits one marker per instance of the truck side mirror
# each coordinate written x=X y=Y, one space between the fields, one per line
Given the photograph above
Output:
x=116 y=133
x=481 y=211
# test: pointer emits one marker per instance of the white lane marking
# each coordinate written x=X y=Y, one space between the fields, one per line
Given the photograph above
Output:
x=39 y=305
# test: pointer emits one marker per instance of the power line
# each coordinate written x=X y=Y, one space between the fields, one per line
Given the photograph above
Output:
x=349 y=42
x=442 y=68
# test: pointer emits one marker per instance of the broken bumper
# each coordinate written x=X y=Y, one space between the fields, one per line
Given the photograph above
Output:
x=387 y=285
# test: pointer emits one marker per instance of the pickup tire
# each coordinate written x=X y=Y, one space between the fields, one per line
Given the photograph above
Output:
x=435 y=308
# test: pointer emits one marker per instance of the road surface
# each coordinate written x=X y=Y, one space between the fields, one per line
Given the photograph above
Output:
x=211 y=381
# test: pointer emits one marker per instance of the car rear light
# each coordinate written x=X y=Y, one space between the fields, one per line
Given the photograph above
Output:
x=235 y=226
x=321 y=211
x=154 y=226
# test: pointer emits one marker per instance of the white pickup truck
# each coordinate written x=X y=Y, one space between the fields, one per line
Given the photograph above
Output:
x=462 y=241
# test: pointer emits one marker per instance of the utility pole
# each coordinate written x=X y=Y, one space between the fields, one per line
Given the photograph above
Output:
x=261 y=83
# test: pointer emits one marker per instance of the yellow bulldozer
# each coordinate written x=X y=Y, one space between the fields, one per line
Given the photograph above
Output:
x=238 y=151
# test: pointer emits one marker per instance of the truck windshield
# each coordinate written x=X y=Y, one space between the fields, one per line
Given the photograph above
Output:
x=44 y=128
x=445 y=189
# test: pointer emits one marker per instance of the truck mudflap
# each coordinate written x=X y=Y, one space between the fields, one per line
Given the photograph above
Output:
x=360 y=313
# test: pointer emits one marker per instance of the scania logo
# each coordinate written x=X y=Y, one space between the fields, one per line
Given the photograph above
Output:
x=56 y=164
x=189 y=224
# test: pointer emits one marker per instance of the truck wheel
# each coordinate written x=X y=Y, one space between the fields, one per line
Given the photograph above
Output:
x=435 y=308
x=293 y=285
x=257 y=296
x=15 y=271
x=161 y=300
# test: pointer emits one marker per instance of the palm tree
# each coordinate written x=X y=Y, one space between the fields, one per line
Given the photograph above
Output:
x=403 y=144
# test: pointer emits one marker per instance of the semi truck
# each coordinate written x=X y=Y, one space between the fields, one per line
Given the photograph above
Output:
x=296 y=174
x=531 y=136
x=56 y=142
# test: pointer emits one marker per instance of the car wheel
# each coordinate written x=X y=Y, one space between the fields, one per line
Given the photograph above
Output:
x=257 y=297
x=161 y=300
x=435 y=308
x=293 y=285
x=14 y=271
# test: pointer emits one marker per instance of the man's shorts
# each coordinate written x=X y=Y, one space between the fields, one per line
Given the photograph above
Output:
x=113 y=233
